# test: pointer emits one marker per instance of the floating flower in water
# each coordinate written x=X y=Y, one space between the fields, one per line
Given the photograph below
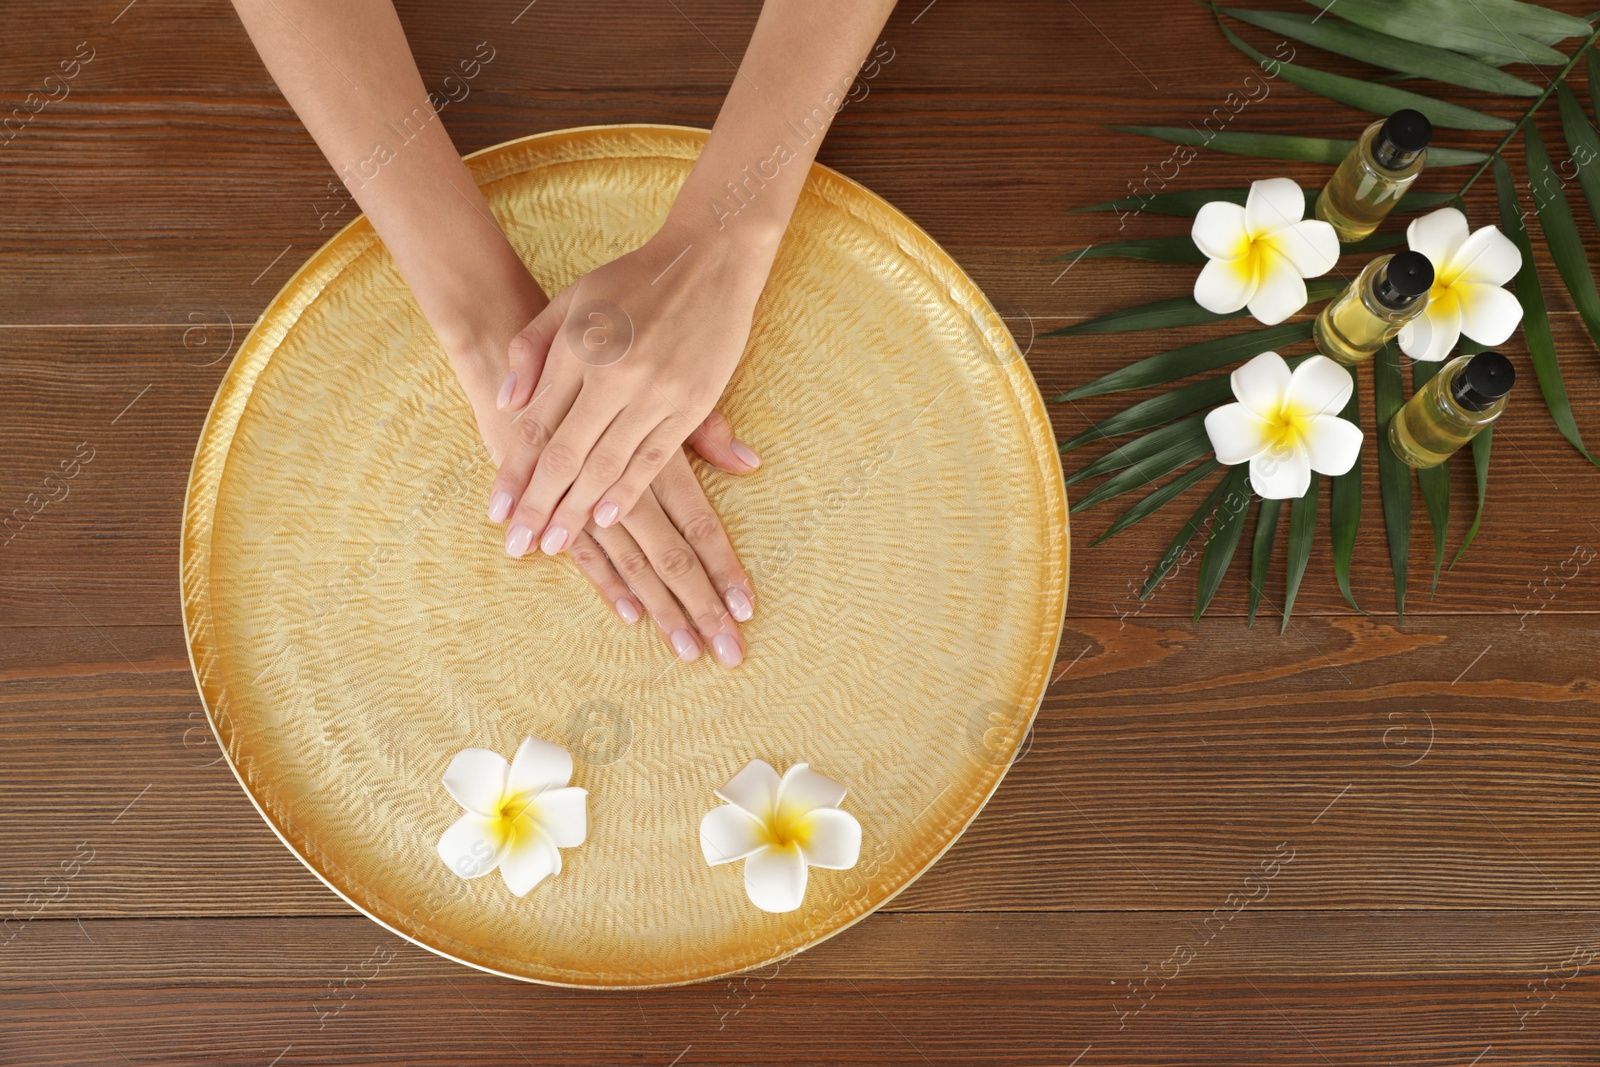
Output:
x=1286 y=425
x=1469 y=268
x=779 y=826
x=1261 y=253
x=519 y=815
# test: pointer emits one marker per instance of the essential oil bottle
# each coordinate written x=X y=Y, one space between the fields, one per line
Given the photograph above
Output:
x=1388 y=293
x=1466 y=395
x=1375 y=175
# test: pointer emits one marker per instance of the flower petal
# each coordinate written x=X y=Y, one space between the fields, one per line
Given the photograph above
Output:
x=1273 y=204
x=539 y=765
x=1438 y=235
x=1261 y=384
x=1224 y=287
x=803 y=789
x=1332 y=444
x=531 y=859
x=1312 y=247
x=477 y=780
x=1488 y=257
x=563 y=814
x=1237 y=433
x=832 y=839
x=1319 y=386
x=1219 y=231
x=775 y=878
x=1489 y=314
x=1281 y=474
x=729 y=833
x=754 y=788
x=1430 y=336
x=472 y=846
x=1280 y=291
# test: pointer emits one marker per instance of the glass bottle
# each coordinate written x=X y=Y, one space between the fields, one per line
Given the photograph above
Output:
x=1371 y=180
x=1466 y=395
x=1388 y=293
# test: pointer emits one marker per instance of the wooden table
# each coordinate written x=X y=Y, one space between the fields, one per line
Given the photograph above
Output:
x=1420 y=803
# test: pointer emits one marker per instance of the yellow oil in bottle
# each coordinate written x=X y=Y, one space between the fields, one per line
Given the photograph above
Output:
x=1370 y=181
x=1389 y=292
x=1466 y=395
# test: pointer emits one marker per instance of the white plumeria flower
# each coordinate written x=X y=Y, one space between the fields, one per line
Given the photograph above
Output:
x=1261 y=253
x=1469 y=268
x=778 y=826
x=1286 y=425
x=519 y=815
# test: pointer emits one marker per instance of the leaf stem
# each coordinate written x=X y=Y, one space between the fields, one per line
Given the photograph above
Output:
x=1528 y=114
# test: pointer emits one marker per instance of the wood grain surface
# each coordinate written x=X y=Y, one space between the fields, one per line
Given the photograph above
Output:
x=1414 y=807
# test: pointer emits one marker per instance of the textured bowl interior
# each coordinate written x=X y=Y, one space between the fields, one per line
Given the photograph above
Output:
x=353 y=621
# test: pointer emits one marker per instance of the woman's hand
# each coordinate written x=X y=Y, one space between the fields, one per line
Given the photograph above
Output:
x=629 y=361
x=671 y=555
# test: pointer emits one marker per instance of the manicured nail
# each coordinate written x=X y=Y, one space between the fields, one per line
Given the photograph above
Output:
x=606 y=514
x=518 y=538
x=747 y=457
x=727 y=650
x=555 y=539
x=684 y=644
x=507 y=387
x=626 y=608
x=499 y=506
x=739 y=605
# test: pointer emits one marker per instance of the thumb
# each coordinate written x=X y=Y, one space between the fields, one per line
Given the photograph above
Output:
x=715 y=443
x=527 y=352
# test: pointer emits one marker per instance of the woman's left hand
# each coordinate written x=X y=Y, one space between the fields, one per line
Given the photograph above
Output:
x=612 y=377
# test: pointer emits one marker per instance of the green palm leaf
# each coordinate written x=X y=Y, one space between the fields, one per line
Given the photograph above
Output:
x=1535 y=320
x=1176 y=455
x=1192 y=359
x=1226 y=525
x=1281 y=146
x=1190 y=527
x=1345 y=505
x=1302 y=525
x=1484 y=28
x=1561 y=232
x=1159 y=499
x=1382 y=50
x=1583 y=147
x=1179 y=311
x=1394 y=476
x=1433 y=481
x=1261 y=554
x=1480 y=465
x=1190 y=429
x=1592 y=69
x=1371 y=96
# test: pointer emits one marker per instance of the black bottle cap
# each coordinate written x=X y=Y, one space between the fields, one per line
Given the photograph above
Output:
x=1403 y=137
x=1405 y=277
x=1487 y=377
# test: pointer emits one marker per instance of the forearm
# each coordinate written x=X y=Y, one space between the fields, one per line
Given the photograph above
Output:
x=347 y=71
x=795 y=75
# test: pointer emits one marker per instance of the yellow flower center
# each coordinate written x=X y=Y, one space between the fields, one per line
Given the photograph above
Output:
x=786 y=829
x=513 y=808
x=1287 y=428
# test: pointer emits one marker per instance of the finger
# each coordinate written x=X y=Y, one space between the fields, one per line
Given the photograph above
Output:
x=653 y=451
x=631 y=562
x=532 y=429
x=605 y=464
x=560 y=462
x=678 y=492
x=713 y=439
x=528 y=353
x=591 y=560
x=678 y=566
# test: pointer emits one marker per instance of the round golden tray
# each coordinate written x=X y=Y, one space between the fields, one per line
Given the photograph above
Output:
x=353 y=620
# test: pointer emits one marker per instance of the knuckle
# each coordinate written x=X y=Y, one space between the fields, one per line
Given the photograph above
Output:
x=630 y=563
x=708 y=621
x=700 y=527
x=532 y=432
x=559 y=459
x=606 y=467
x=654 y=456
x=676 y=563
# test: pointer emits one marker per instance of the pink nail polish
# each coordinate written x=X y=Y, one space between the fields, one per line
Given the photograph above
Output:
x=739 y=605
x=554 y=540
x=745 y=455
x=684 y=644
x=727 y=650
x=507 y=387
x=518 y=538
x=629 y=613
x=499 y=506
x=606 y=514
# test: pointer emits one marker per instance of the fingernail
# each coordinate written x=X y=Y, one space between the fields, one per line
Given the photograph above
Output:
x=745 y=456
x=555 y=539
x=499 y=506
x=606 y=514
x=518 y=538
x=739 y=605
x=684 y=644
x=626 y=609
x=506 y=389
x=727 y=650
